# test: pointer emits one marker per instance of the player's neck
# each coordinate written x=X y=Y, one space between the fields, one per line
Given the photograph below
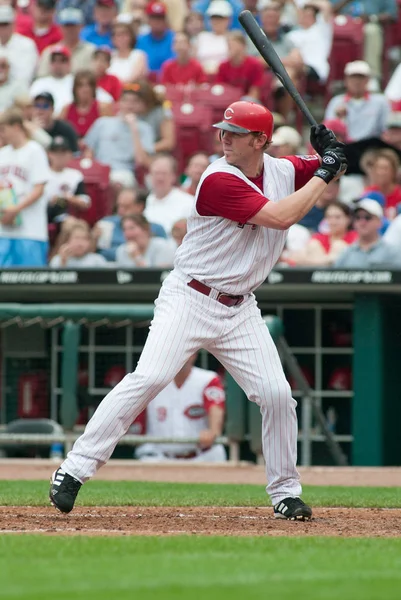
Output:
x=252 y=169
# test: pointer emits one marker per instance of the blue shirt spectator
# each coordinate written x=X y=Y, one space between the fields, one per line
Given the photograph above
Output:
x=99 y=32
x=158 y=43
x=86 y=6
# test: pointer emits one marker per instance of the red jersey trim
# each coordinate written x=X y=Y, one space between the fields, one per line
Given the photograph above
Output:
x=214 y=394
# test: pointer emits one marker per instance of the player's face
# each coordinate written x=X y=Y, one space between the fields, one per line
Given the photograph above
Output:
x=239 y=148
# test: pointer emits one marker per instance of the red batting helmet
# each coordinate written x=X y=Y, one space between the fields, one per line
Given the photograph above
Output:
x=247 y=117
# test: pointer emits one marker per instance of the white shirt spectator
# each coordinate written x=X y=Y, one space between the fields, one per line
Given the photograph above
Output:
x=298 y=237
x=314 y=44
x=393 y=89
x=88 y=261
x=24 y=168
x=159 y=253
x=10 y=90
x=211 y=50
x=393 y=233
x=170 y=209
x=23 y=56
x=61 y=90
x=123 y=68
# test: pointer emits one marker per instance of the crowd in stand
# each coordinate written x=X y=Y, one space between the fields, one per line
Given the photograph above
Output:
x=85 y=83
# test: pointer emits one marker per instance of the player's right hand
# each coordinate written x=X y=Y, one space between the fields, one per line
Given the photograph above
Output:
x=334 y=164
x=323 y=139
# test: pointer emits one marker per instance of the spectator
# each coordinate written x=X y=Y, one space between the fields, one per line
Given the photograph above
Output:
x=104 y=80
x=339 y=128
x=71 y=21
x=166 y=204
x=370 y=251
x=240 y=70
x=176 y=13
x=202 y=7
x=149 y=109
x=141 y=249
x=10 y=88
x=65 y=187
x=393 y=89
x=41 y=27
x=193 y=25
x=383 y=178
x=297 y=240
x=75 y=252
x=123 y=142
x=211 y=47
x=21 y=51
x=315 y=216
x=286 y=141
x=393 y=234
x=99 y=32
x=314 y=38
x=392 y=133
x=192 y=406
x=324 y=248
x=364 y=114
x=158 y=43
x=24 y=171
x=196 y=166
x=109 y=232
x=85 y=109
x=87 y=7
x=43 y=116
x=375 y=14
x=126 y=64
x=25 y=105
x=184 y=69
x=179 y=231
x=59 y=82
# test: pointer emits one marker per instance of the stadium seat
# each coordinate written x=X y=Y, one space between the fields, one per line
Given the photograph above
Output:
x=30 y=426
x=348 y=40
x=97 y=185
x=193 y=130
x=217 y=97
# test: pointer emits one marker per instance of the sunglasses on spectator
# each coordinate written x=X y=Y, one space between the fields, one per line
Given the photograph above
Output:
x=43 y=105
x=363 y=217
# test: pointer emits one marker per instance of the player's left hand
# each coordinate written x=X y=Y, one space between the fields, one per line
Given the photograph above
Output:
x=323 y=139
x=8 y=215
x=206 y=439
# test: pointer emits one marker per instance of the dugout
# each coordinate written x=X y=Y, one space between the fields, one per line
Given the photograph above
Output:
x=344 y=321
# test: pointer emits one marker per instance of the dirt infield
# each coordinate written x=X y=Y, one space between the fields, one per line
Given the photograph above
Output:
x=185 y=472
x=341 y=522
x=105 y=521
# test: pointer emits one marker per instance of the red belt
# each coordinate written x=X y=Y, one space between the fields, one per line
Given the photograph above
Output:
x=225 y=299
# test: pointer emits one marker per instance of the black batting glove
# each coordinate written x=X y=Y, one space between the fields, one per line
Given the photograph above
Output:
x=334 y=163
x=323 y=139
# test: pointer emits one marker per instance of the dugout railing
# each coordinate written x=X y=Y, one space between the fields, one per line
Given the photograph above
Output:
x=66 y=334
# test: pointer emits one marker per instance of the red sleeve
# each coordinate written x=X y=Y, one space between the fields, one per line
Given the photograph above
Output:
x=225 y=195
x=214 y=394
x=221 y=75
x=304 y=167
x=117 y=88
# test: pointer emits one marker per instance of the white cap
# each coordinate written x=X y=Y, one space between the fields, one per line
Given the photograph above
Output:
x=357 y=67
x=219 y=8
x=263 y=4
x=286 y=135
x=370 y=206
x=7 y=14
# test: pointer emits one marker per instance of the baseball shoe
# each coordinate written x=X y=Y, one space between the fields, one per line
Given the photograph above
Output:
x=292 y=509
x=63 y=491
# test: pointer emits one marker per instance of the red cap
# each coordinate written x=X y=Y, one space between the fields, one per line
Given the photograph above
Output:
x=337 y=126
x=247 y=117
x=109 y=3
x=61 y=50
x=156 y=9
x=114 y=375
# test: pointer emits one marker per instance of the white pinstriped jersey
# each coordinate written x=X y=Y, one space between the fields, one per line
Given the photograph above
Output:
x=235 y=258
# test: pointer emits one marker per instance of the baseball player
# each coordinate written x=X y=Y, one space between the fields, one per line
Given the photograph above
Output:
x=244 y=205
x=191 y=406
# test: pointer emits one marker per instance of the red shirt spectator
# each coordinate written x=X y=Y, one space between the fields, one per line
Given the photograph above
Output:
x=41 y=27
x=110 y=83
x=326 y=240
x=240 y=70
x=184 y=69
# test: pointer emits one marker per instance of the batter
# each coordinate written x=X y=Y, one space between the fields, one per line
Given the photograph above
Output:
x=244 y=205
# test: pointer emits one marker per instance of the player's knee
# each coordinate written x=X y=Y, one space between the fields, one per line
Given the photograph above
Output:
x=277 y=392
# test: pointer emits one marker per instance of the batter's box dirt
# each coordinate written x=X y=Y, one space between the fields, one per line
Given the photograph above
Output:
x=344 y=522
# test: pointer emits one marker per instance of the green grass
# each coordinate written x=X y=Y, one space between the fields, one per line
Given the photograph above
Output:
x=128 y=493
x=44 y=568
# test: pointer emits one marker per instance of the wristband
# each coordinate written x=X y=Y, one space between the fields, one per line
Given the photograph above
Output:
x=324 y=174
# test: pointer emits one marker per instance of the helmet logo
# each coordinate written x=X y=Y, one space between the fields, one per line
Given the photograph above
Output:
x=228 y=114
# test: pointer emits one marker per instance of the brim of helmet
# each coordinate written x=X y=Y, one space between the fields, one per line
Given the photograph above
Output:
x=231 y=127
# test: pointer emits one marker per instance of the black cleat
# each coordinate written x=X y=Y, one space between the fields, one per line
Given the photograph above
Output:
x=292 y=509
x=63 y=491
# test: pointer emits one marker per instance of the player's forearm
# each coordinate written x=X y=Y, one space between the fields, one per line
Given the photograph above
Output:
x=37 y=192
x=293 y=208
x=216 y=420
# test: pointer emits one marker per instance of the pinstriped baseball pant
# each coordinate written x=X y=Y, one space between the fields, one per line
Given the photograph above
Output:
x=185 y=321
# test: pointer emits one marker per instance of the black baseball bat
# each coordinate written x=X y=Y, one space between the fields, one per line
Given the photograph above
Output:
x=268 y=53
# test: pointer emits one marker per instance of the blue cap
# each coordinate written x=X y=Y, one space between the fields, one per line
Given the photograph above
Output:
x=378 y=196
